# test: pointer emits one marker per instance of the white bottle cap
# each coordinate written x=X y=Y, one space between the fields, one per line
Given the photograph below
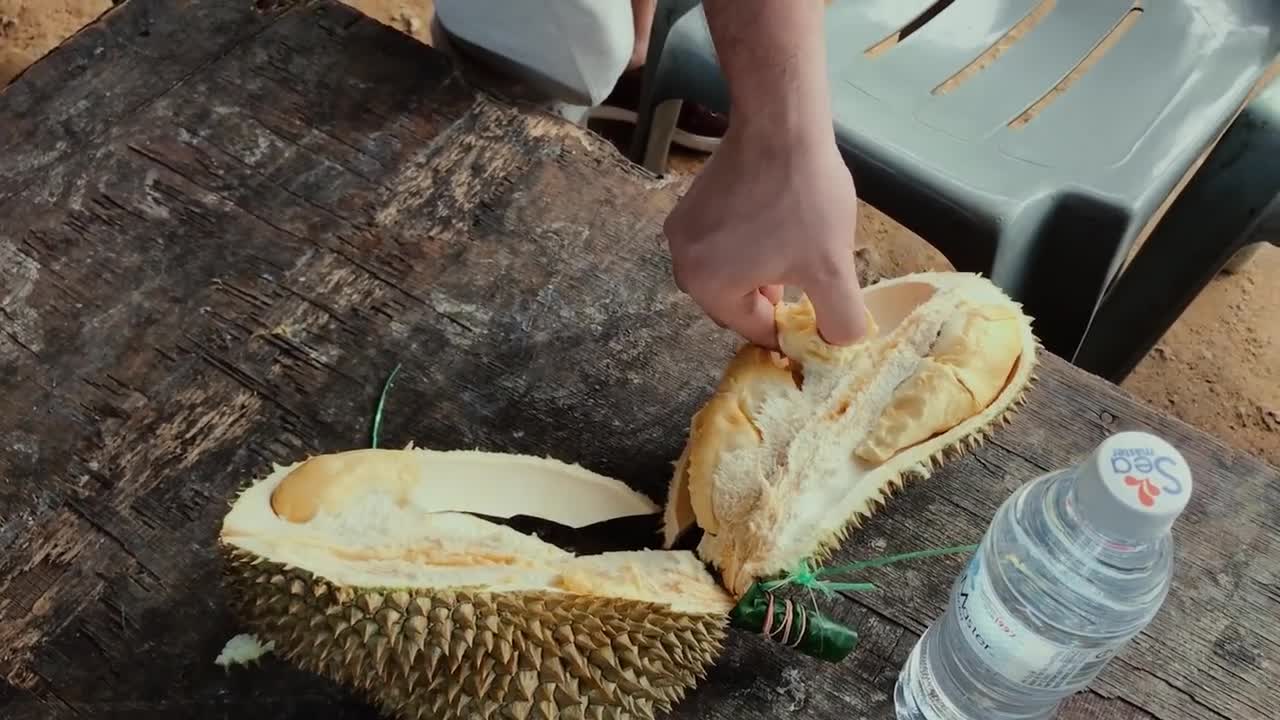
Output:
x=1133 y=486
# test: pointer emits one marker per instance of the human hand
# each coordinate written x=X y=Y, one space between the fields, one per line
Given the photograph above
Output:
x=767 y=212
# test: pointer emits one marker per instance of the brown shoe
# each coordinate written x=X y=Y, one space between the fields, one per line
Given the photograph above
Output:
x=697 y=127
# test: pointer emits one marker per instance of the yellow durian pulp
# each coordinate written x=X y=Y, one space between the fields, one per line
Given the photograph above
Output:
x=366 y=567
x=796 y=448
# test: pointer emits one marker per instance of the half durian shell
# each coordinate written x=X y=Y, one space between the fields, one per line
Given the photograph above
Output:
x=369 y=568
x=797 y=448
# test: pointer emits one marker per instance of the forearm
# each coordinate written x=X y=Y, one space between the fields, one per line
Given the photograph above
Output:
x=773 y=55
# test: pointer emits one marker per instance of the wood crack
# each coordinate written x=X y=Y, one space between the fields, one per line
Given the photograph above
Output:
x=101 y=527
x=48 y=689
x=221 y=196
x=1014 y=451
x=98 y=706
x=308 y=201
x=240 y=376
x=329 y=136
x=97 y=138
x=1180 y=691
x=18 y=341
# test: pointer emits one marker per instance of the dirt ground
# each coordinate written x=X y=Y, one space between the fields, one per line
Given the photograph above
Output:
x=1218 y=368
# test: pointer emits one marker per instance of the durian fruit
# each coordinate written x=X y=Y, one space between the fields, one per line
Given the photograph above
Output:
x=797 y=448
x=369 y=567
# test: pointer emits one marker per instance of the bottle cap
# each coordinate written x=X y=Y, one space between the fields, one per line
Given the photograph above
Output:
x=1134 y=486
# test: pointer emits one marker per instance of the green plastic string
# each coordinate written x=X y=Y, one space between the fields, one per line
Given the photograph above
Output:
x=382 y=401
x=809 y=631
x=806 y=576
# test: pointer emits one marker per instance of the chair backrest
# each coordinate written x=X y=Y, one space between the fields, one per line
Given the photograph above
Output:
x=996 y=104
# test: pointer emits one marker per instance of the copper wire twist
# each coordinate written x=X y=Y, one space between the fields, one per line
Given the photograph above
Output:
x=794 y=618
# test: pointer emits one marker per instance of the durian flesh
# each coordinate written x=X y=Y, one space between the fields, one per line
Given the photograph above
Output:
x=365 y=567
x=796 y=448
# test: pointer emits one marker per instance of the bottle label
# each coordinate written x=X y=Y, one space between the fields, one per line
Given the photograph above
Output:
x=1013 y=649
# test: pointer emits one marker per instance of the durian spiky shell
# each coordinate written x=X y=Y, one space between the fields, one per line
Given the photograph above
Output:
x=762 y=450
x=620 y=635
x=469 y=653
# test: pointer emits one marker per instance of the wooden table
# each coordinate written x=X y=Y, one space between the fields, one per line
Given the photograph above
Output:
x=223 y=222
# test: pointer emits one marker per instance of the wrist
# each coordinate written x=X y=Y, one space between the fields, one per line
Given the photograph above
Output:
x=794 y=113
x=786 y=139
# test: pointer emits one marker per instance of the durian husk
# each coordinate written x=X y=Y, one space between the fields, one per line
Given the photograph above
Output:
x=366 y=568
x=796 y=449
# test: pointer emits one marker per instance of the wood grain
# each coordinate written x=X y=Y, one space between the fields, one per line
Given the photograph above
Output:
x=206 y=271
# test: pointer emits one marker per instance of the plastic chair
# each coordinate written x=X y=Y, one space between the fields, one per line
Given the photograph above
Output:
x=1230 y=206
x=1049 y=206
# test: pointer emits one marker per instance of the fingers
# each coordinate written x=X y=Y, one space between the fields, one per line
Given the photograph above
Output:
x=750 y=315
x=838 y=305
x=773 y=292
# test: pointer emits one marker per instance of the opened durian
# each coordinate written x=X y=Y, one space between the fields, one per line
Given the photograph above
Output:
x=404 y=574
x=795 y=449
x=368 y=567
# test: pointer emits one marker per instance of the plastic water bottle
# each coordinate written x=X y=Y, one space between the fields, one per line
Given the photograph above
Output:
x=1075 y=563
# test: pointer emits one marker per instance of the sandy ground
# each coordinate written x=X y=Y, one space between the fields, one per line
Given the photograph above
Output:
x=1218 y=368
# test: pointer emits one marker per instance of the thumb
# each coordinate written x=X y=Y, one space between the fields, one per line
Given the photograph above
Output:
x=751 y=316
x=838 y=306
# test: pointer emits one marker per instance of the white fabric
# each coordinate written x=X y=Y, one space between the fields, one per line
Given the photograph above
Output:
x=580 y=46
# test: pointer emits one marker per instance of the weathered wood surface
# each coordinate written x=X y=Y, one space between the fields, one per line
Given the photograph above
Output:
x=221 y=226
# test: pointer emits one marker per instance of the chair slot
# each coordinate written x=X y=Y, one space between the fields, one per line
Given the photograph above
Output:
x=919 y=21
x=1104 y=46
x=998 y=48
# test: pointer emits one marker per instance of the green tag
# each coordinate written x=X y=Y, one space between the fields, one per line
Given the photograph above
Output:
x=791 y=624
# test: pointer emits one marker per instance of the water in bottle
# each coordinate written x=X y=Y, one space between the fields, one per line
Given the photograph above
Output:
x=1074 y=564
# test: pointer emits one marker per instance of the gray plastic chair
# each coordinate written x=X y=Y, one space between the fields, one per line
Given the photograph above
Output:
x=1048 y=208
x=1230 y=206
